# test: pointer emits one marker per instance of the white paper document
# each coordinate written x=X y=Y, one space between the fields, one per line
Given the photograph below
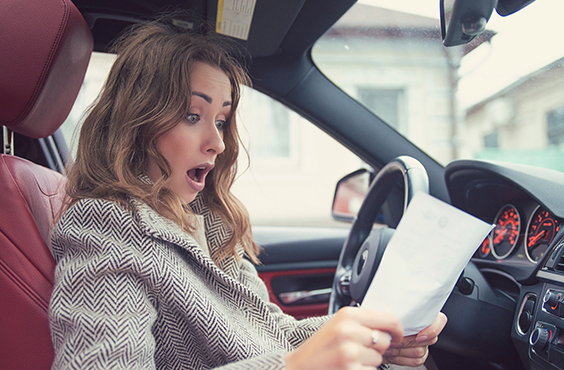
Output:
x=431 y=246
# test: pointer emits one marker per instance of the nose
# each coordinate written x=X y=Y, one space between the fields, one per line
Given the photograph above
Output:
x=214 y=140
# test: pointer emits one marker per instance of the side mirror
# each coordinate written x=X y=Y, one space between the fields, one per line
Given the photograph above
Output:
x=462 y=20
x=350 y=193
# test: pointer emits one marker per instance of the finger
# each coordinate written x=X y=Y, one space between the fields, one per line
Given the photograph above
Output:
x=403 y=361
x=415 y=352
x=432 y=330
x=408 y=358
x=379 y=340
x=421 y=342
x=354 y=355
x=415 y=341
x=382 y=321
x=372 y=319
x=370 y=357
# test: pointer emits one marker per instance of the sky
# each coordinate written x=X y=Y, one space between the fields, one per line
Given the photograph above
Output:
x=428 y=8
x=525 y=41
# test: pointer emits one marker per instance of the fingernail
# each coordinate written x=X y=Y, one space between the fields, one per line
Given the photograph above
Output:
x=422 y=338
x=387 y=353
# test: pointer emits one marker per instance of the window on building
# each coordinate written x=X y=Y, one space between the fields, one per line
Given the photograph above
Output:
x=385 y=103
x=555 y=126
x=491 y=140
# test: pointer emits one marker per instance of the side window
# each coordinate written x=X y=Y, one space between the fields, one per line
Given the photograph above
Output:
x=271 y=138
x=294 y=166
x=98 y=69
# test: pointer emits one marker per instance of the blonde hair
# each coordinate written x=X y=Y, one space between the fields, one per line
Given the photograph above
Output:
x=147 y=93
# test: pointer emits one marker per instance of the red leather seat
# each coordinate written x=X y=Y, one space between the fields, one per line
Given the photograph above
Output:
x=45 y=46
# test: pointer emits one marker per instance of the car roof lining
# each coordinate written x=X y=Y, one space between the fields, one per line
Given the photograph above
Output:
x=272 y=21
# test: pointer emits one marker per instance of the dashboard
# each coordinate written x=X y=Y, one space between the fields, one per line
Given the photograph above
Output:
x=516 y=276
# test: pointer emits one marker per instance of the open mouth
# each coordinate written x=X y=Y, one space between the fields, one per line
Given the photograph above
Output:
x=198 y=173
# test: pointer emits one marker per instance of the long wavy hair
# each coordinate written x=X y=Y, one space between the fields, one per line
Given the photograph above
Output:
x=146 y=94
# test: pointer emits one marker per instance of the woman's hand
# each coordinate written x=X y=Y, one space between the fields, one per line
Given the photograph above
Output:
x=414 y=349
x=355 y=338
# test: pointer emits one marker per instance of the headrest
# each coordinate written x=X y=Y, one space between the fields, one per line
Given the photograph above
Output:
x=45 y=47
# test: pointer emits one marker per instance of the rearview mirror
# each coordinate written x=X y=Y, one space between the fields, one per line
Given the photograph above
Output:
x=506 y=7
x=462 y=20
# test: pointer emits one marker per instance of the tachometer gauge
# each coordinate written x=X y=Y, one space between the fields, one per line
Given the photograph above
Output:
x=540 y=232
x=506 y=231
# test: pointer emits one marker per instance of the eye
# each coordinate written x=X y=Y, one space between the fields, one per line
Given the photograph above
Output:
x=221 y=124
x=193 y=118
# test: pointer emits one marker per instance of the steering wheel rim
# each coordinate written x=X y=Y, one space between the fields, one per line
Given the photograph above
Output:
x=415 y=180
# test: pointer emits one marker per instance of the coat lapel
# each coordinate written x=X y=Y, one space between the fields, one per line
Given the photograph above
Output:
x=225 y=278
x=217 y=235
x=157 y=226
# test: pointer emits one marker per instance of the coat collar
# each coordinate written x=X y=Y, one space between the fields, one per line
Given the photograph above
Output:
x=217 y=233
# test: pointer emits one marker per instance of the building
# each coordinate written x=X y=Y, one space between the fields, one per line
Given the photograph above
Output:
x=524 y=122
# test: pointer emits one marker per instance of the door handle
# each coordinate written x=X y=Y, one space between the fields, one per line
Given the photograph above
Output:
x=305 y=296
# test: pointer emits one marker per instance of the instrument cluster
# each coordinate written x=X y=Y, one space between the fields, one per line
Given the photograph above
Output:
x=521 y=231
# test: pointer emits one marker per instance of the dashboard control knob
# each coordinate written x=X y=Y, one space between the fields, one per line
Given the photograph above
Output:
x=539 y=339
x=551 y=299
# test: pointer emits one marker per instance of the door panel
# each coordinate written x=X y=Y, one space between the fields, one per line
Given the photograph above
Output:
x=298 y=265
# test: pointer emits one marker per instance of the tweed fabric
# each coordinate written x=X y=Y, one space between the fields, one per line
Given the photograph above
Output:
x=134 y=291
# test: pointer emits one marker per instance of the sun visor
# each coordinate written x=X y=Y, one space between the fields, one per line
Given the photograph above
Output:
x=260 y=26
x=234 y=18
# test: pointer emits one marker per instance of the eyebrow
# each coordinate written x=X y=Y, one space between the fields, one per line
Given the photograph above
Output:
x=208 y=98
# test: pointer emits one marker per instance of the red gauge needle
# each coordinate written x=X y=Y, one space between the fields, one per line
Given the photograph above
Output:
x=536 y=238
x=499 y=236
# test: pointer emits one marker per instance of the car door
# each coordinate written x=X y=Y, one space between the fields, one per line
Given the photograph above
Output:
x=298 y=265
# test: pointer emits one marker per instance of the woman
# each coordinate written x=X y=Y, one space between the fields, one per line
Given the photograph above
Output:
x=150 y=268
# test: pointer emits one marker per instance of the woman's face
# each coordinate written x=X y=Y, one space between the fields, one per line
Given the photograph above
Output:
x=192 y=146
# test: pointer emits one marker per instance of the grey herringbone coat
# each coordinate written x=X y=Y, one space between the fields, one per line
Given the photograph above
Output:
x=132 y=290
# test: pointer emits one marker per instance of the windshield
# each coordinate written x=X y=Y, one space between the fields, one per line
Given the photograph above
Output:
x=501 y=97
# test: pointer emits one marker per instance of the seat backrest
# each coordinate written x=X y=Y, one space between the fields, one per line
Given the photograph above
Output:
x=45 y=47
x=26 y=264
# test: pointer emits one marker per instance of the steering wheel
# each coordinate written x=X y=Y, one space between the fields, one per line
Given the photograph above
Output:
x=364 y=247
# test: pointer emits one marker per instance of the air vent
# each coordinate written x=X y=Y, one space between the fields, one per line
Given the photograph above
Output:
x=559 y=266
x=526 y=314
x=556 y=260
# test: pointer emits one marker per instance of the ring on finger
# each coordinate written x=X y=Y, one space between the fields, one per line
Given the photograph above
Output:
x=375 y=337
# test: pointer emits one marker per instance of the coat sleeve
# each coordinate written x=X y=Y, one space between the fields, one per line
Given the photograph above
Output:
x=103 y=306
x=297 y=331
x=101 y=313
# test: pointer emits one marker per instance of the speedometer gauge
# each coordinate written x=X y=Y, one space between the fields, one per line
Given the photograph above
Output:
x=540 y=232
x=486 y=247
x=506 y=231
